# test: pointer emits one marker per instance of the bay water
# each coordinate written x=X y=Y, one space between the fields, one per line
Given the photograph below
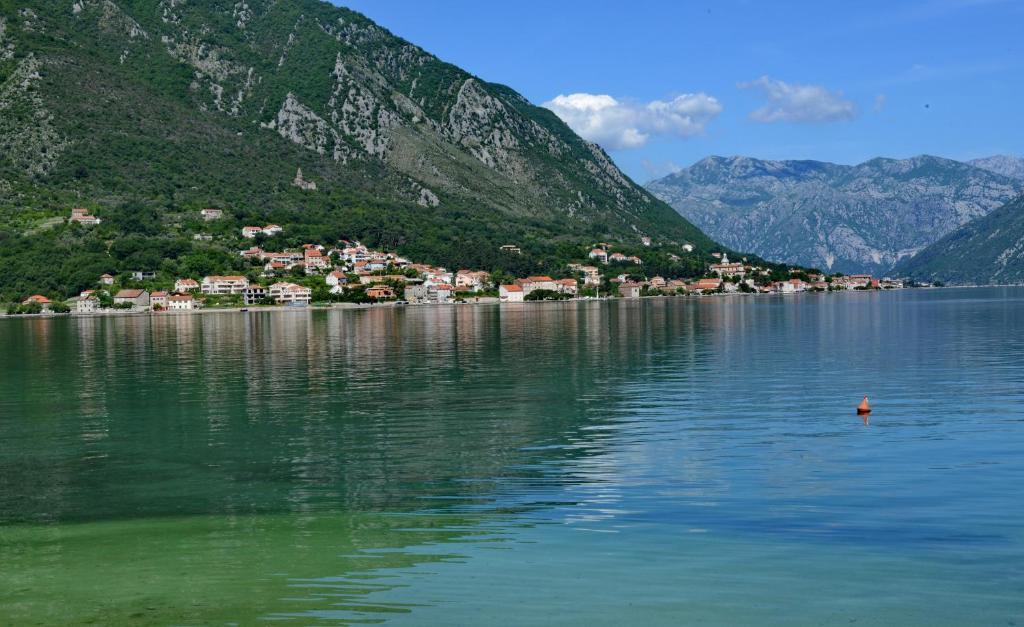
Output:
x=659 y=461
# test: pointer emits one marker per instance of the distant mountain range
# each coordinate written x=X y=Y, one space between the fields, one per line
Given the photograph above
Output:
x=989 y=250
x=861 y=218
x=1002 y=164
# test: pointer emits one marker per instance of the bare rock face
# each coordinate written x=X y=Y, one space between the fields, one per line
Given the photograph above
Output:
x=33 y=142
x=863 y=218
x=299 y=124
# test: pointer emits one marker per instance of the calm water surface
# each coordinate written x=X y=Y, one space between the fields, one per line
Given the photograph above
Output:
x=668 y=461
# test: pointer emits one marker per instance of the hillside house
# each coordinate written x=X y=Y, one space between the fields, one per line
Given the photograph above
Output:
x=211 y=214
x=83 y=217
x=186 y=285
x=727 y=268
x=336 y=281
x=470 y=281
x=315 y=260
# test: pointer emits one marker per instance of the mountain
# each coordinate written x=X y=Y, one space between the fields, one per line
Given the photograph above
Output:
x=1006 y=165
x=861 y=218
x=147 y=110
x=989 y=250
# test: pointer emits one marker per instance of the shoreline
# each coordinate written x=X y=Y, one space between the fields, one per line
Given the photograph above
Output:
x=394 y=305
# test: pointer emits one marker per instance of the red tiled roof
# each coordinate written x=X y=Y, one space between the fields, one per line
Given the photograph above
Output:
x=512 y=288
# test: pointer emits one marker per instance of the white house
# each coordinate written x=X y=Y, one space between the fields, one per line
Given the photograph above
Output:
x=471 y=281
x=181 y=302
x=567 y=286
x=336 y=281
x=284 y=292
x=250 y=232
x=87 y=303
x=510 y=294
x=211 y=214
x=158 y=298
x=220 y=285
x=186 y=285
x=82 y=216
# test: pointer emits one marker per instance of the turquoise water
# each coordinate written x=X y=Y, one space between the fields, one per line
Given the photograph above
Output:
x=665 y=461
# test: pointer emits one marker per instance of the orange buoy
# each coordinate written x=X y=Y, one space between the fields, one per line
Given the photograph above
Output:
x=864 y=407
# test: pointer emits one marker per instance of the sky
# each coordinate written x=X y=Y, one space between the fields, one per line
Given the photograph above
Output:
x=663 y=84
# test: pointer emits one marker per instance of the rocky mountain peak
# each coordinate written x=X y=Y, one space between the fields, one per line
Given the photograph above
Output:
x=858 y=218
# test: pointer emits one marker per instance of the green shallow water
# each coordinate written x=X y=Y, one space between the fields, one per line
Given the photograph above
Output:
x=211 y=570
x=660 y=462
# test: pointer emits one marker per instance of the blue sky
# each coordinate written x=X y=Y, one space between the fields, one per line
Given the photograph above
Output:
x=664 y=84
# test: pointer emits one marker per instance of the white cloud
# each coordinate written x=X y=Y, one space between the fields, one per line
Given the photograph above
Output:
x=616 y=124
x=880 y=101
x=657 y=170
x=788 y=102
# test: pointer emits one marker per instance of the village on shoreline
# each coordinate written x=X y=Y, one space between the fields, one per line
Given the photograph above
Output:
x=354 y=274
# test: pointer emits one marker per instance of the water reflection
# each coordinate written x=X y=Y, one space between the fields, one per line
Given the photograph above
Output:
x=330 y=465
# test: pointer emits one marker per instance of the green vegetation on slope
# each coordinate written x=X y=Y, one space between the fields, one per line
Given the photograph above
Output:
x=989 y=250
x=151 y=110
